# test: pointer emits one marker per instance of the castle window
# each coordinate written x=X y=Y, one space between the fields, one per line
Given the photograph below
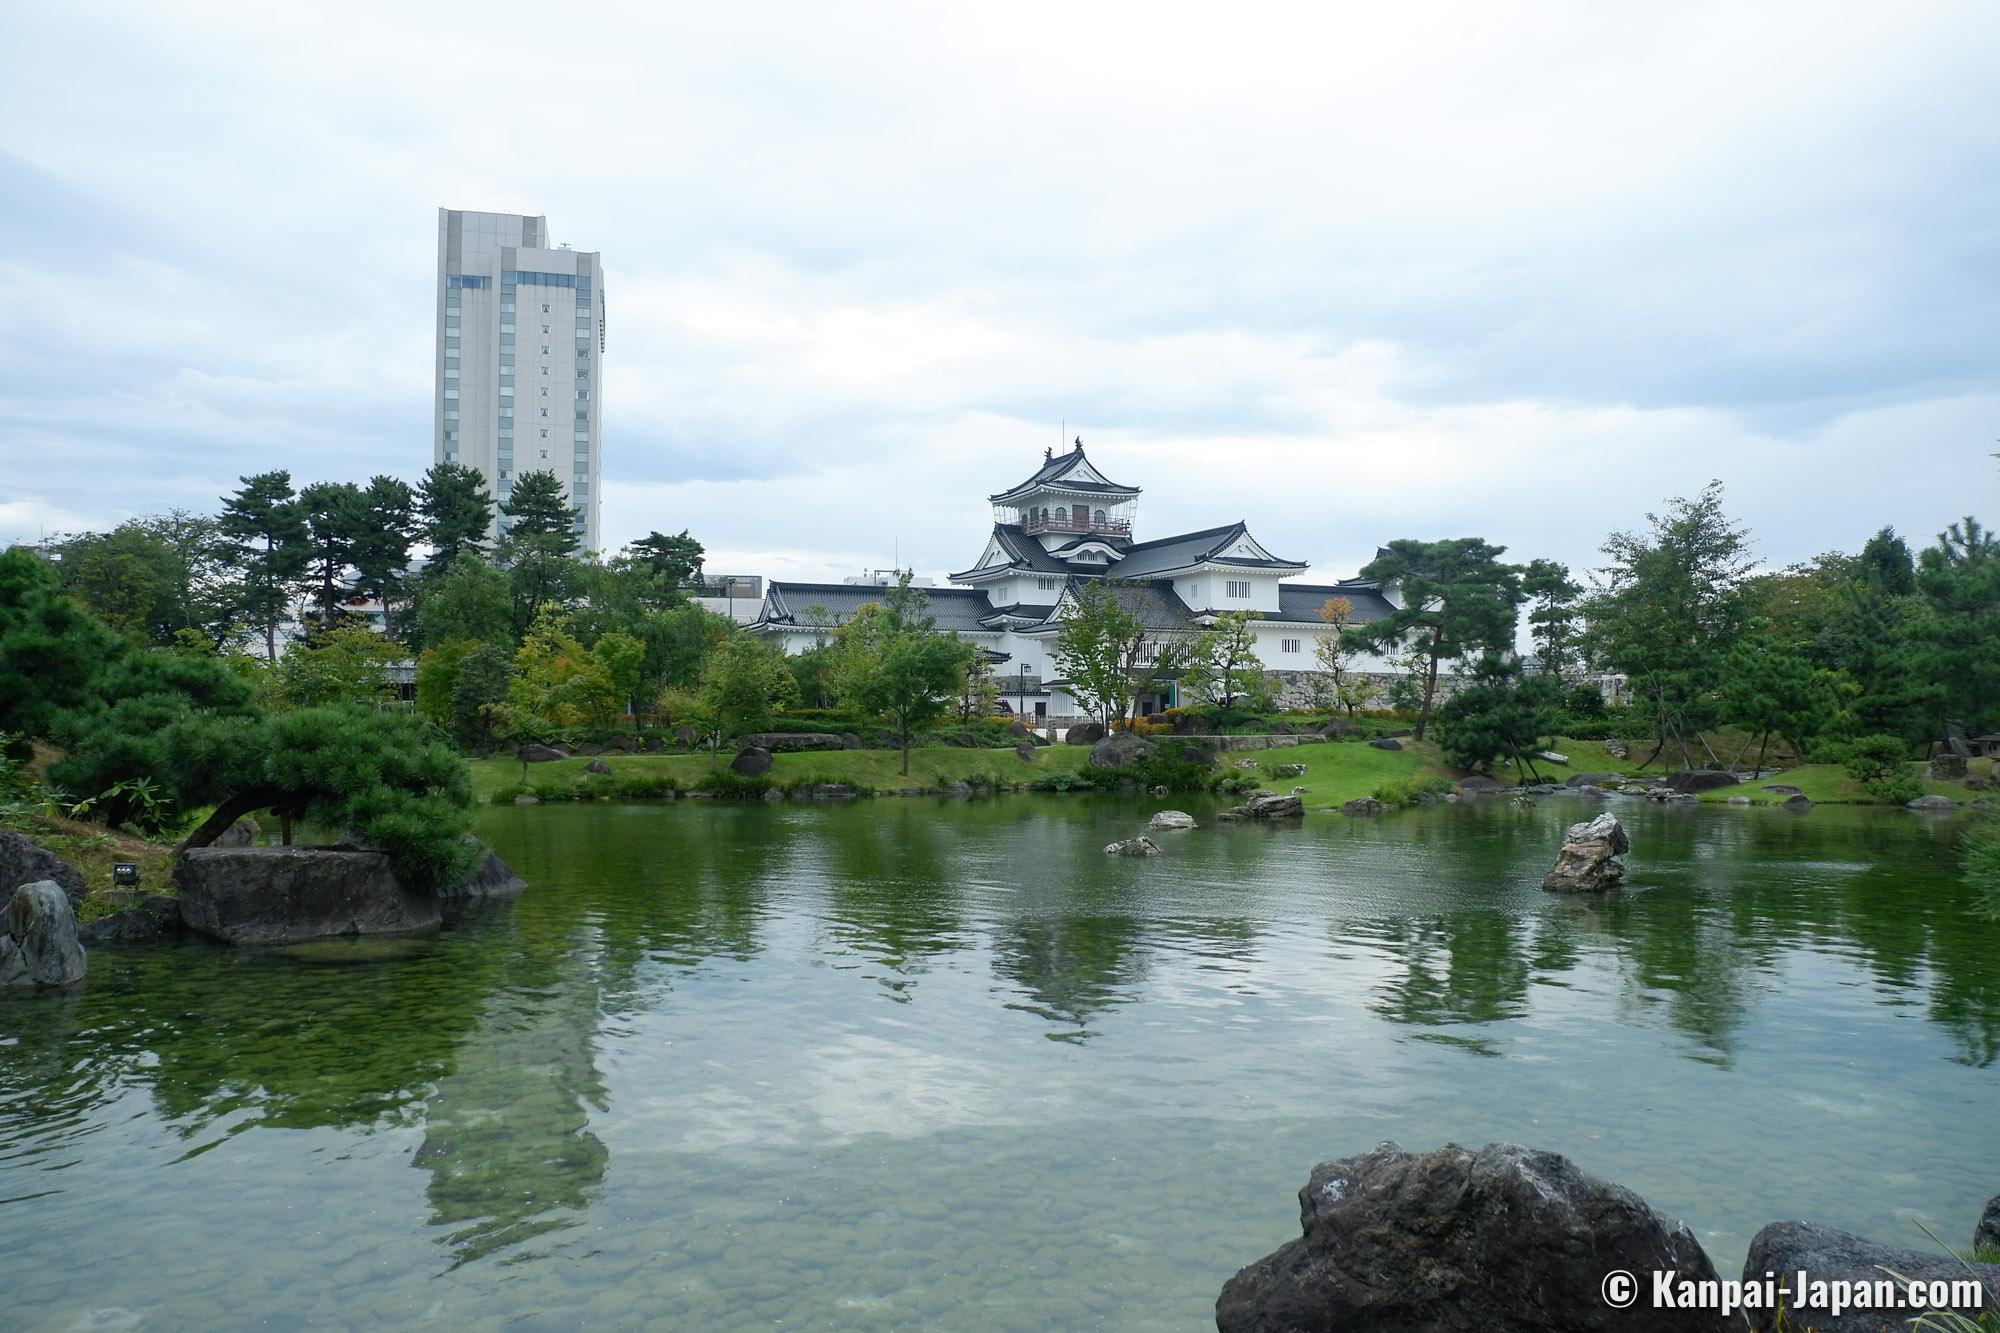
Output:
x=1098 y=517
x=1288 y=645
x=1062 y=515
x=1236 y=589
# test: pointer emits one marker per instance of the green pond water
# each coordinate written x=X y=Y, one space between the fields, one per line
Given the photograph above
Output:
x=912 y=1063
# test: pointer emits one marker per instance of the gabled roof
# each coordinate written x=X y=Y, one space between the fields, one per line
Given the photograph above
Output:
x=1302 y=601
x=1021 y=552
x=958 y=610
x=1230 y=545
x=1153 y=602
x=1071 y=471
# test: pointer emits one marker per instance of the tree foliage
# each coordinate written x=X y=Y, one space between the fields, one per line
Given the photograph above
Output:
x=1459 y=601
x=265 y=526
x=454 y=512
x=894 y=664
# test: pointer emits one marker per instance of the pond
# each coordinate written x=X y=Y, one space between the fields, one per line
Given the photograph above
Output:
x=917 y=1062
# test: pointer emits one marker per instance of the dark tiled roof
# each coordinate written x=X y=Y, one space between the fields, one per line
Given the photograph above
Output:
x=1166 y=554
x=1023 y=552
x=955 y=609
x=1302 y=601
x=1028 y=611
x=1056 y=468
x=1112 y=540
x=1153 y=601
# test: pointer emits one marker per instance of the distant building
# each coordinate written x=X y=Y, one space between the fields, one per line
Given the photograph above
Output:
x=1067 y=525
x=520 y=337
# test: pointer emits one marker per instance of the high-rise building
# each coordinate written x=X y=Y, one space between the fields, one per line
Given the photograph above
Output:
x=519 y=344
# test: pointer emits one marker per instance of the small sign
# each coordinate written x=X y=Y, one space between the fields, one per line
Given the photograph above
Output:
x=124 y=872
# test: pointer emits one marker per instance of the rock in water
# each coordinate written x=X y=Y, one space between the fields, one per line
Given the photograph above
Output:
x=1986 y=1236
x=25 y=861
x=1700 y=780
x=491 y=877
x=1269 y=805
x=1586 y=862
x=38 y=944
x=1364 y=807
x=1827 y=1255
x=280 y=895
x=1504 y=1240
x=1167 y=819
x=1133 y=847
x=152 y=916
x=1932 y=803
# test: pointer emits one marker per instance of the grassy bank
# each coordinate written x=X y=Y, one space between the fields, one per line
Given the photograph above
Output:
x=1340 y=771
x=93 y=850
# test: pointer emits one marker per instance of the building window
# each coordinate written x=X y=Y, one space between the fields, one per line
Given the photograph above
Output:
x=1236 y=589
x=1046 y=585
x=1288 y=645
x=1062 y=515
x=545 y=435
x=545 y=307
x=545 y=328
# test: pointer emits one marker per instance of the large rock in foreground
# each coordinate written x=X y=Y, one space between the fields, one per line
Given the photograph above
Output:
x=280 y=895
x=1267 y=805
x=25 y=861
x=1504 y=1240
x=751 y=761
x=491 y=877
x=1827 y=1255
x=1586 y=862
x=151 y=917
x=38 y=944
x=1700 y=780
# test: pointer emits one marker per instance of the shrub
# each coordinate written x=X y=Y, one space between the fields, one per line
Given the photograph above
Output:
x=1873 y=758
x=734 y=786
x=1061 y=781
x=1402 y=791
x=1899 y=788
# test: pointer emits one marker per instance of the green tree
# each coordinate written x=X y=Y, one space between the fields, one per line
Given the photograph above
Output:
x=388 y=528
x=1772 y=687
x=622 y=659
x=1555 y=615
x=265 y=527
x=335 y=513
x=152 y=577
x=437 y=679
x=454 y=513
x=745 y=683
x=1221 y=668
x=348 y=664
x=555 y=679
x=1458 y=601
x=679 y=643
x=1669 y=607
x=1500 y=717
x=1958 y=580
x=538 y=546
x=51 y=650
x=479 y=698
x=978 y=696
x=1108 y=652
x=666 y=566
x=391 y=778
x=467 y=599
x=895 y=664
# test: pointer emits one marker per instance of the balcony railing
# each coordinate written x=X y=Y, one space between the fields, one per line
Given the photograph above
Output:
x=1082 y=523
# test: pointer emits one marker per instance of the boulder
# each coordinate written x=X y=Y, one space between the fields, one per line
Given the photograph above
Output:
x=1267 y=805
x=38 y=943
x=1826 y=1255
x=849 y=741
x=1169 y=819
x=540 y=754
x=1503 y=1240
x=1587 y=861
x=598 y=768
x=590 y=748
x=243 y=833
x=1634 y=789
x=1132 y=847
x=1025 y=753
x=490 y=876
x=655 y=744
x=1365 y=807
x=1288 y=770
x=826 y=791
x=1194 y=752
x=279 y=895
x=1986 y=1236
x=1122 y=750
x=1283 y=729
x=1781 y=789
x=25 y=861
x=1248 y=765
x=751 y=762
x=686 y=736
x=1739 y=800
x=960 y=789
x=1337 y=728
x=1946 y=768
x=1475 y=782
x=1084 y=733
x=788 y=742
x=1796 y=801
x=1979 y=784
x=151 y=916
x=1931 y=803
x=1700 y=780
x=527 y=798
x=1551 y=757
x=1018 y=729
x=1955 y=742
x=1594 y=779
x=1387 y=743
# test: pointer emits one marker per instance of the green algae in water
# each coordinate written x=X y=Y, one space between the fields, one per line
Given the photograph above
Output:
x=908 y=1062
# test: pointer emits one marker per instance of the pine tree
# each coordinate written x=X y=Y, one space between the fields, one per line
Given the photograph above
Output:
x=382 y=548
x=1459 y=600
x=266 y=529
x=455 y=512
x=335 y=514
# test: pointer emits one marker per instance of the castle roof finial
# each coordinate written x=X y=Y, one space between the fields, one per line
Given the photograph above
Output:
x=1079 y=441
x=1048 y=455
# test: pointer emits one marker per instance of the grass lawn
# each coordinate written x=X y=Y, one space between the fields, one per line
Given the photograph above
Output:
x=1338 y=771
x=1828 y=784
x=93 y=849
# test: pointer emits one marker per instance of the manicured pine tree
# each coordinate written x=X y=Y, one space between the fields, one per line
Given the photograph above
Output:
x=336 y=513
x=1459 y=600
x=265 y=527
x=539 y=544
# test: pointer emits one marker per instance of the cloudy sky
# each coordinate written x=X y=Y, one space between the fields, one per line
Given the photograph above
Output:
x=1349 y=272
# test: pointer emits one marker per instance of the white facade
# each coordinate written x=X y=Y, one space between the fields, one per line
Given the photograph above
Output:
x=520 y=338
x=1067 y=525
